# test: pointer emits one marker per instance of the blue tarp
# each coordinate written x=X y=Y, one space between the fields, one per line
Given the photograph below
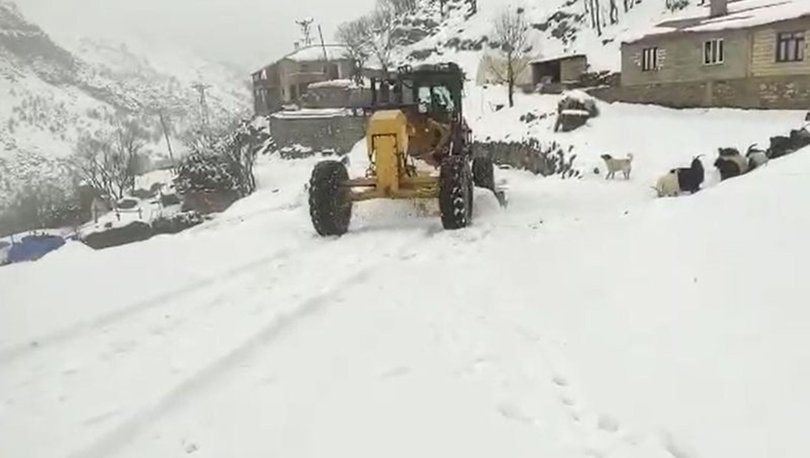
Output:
x=33 y=247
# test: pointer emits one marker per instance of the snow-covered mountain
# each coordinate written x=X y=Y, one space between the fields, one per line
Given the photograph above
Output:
x=52 y=92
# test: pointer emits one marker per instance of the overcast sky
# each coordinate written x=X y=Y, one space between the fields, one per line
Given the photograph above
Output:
x=246 y=32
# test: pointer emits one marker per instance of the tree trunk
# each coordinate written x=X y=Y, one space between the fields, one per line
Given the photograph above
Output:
x=510 y=77
x=614 y=12
x=597 y=8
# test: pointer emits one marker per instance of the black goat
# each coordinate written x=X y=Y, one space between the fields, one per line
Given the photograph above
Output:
x=731 y=163
x=690 y=179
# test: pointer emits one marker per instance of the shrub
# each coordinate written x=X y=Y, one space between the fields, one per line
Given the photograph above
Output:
x=200 y=172
x=176 y=223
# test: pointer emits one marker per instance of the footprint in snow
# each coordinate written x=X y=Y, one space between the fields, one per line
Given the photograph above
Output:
x=560 y=380
x=608 y=423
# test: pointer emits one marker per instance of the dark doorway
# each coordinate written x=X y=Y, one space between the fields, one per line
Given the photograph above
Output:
x=547 y=72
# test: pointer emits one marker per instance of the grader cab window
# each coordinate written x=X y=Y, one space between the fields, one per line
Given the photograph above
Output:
x=435 y=99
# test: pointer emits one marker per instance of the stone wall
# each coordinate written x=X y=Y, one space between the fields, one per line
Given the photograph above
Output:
x=321 y=133
x=776 y=92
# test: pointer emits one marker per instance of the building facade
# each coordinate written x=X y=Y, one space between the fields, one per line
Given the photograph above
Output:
x=724 y=60
x=285 y=81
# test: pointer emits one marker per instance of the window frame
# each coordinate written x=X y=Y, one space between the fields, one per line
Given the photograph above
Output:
x=714 y=52
x=784 y=53
x=649 y=59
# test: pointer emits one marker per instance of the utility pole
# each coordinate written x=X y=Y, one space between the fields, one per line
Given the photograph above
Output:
x=323 y=44
x=201 y=88
x=306 y=30
x=164 y=123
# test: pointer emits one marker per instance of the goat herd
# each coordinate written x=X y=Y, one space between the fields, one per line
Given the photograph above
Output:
x=730 y=163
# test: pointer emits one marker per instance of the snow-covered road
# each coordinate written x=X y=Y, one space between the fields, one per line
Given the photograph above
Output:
x=587 y=319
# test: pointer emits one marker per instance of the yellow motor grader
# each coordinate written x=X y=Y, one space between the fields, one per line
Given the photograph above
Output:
x=416 y=127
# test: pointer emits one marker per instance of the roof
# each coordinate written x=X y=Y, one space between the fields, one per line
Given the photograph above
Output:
x=317 y=53
x=337 y=84
x=543 y=60
x=743 y=14
x=314 y=53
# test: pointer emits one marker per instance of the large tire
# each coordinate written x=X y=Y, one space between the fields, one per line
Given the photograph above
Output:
x=484 y=173
x=330 y=204
x=455 y=192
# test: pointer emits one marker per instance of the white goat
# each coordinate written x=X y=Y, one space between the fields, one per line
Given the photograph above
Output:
x=667 y=185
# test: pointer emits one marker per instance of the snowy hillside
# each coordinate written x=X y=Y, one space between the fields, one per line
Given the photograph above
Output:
x=586 y=319
x=558 y=27
x=51 y=94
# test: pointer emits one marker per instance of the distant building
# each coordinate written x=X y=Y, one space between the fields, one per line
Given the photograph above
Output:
x=285 y=81
x=558 y=71
x=746 y=54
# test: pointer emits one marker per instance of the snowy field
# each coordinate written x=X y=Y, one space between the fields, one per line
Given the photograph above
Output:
x=587 y=319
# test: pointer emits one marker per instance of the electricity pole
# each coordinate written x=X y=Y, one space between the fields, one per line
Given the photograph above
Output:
x=201 y=88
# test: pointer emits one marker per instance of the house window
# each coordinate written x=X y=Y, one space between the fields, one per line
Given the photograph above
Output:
x=713 y=52
x=790 y=47
x=649 y=59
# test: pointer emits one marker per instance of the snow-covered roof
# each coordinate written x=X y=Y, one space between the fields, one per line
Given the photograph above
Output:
x=553 y=58
x=317 y=53
x=308 y=113
x=742 y=14
x=314 y=53
x=337 y=84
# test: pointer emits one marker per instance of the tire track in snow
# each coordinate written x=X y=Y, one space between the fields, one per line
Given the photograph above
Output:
x=117 y=439
x=110 y=443
x=17 y=351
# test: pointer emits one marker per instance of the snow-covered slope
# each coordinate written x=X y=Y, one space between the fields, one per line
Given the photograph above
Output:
x=558 y=27
x=586 y=319
x=50 y=94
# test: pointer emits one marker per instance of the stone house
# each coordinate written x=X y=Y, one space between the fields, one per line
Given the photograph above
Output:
x=285 y=81
x=744 y=54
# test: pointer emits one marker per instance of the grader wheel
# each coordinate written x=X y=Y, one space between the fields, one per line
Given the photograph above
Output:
x=330 y=204
x=455 y=192
x=484 y=173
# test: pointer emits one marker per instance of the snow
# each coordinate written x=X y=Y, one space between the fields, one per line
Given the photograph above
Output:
x=586 y=319
x=340 y=84
x=317 y=53
x=602 y=51
x=312 y=113
x=552 y=58
x=742 y=14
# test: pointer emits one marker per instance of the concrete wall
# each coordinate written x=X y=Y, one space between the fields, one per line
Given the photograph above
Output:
x=779 y=92
x=763 y=59
x=339 y=133
x=680 y=58
x=572 y=69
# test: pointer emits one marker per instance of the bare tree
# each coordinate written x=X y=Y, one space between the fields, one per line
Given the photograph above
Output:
x=356 y=36
x=614 y=12
x=382 y=40
x=109 y=160
x=441 y=7
x=400 y=6
x=597 y=9
x=512 y=31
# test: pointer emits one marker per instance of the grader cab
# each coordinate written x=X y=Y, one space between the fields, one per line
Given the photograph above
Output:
x=415 y=130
